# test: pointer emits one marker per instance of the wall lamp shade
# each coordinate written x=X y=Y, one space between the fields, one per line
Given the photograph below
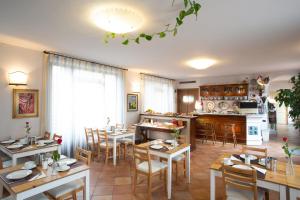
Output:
x=17 y=78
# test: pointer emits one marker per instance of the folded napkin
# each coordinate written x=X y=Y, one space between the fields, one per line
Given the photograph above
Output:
x=38 y=176
x=260 y=169
x=234 y=158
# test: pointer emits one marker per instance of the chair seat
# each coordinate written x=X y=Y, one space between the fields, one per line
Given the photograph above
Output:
x=110 y=144
x=66 y=188
x=36 y=197
x=236 y=194
x=155 y=166
x=179 y=157
x=126 y=141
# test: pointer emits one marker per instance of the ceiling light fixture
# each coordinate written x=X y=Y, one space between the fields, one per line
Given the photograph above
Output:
x=201 y=63
x=117 y=19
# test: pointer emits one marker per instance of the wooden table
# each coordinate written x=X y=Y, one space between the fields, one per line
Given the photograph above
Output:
x=169 y=155
x=28 y=189
x=24 y=152
x=277 y=181
x=115 y=137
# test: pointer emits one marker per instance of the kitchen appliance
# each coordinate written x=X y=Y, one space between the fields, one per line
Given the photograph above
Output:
x=247 y=107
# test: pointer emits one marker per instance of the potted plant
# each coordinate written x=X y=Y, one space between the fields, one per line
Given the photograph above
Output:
x=291 y=98
x=176 y=134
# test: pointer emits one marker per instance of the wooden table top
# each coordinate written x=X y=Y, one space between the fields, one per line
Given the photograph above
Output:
x=33 y=184
x=278 y=177
x=171 y=151
x=27 y=148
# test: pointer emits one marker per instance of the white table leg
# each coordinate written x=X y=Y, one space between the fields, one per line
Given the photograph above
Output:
x=86 y=195
x=14 y=161
x=294 y=194
x=212 y=185
x=282 y=192
x=188 y=165
x=115 y=151
x=169 y=186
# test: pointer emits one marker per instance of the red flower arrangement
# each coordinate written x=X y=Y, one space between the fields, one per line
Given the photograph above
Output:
x=59 y=141
x=288 y=151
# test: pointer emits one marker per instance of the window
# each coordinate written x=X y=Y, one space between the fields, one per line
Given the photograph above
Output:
x=82 y=94
x=158 y=94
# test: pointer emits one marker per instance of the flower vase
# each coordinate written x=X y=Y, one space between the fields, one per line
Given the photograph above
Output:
x=175 y=143
x=54 y=168
x=290 y=167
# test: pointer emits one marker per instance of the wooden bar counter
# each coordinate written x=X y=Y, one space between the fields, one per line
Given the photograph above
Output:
x=218 y=120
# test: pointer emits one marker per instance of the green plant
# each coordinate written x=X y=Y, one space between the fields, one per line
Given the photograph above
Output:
x=55 y=156
x=291 y=98
x=190 y=8
x=287 y=150
x=176 y=133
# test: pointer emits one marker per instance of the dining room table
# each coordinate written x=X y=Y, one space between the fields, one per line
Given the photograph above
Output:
x=24 y=150
x=169 y=152
x=275 y=180
x=117 y=135
x=41 y=180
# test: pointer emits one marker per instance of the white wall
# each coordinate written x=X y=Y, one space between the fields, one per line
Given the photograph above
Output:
x=12 y=59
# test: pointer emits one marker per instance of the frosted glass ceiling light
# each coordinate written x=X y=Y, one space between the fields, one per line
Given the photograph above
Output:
x=201 y=63
x=117 y=19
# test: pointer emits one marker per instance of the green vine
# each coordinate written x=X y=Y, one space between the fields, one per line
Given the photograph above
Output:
x=190 y=8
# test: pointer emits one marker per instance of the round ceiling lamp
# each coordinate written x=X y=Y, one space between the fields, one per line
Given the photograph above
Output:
x=117 y=19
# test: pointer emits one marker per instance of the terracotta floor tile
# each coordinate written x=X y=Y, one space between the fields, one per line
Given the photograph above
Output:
x=106 y=197
x=122 y=189
x=103 y=190
x=122 y=181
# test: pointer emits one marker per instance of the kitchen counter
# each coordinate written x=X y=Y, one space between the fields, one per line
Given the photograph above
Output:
x=176 y=116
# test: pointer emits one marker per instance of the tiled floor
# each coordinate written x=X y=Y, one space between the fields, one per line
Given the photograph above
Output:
x=108 y=182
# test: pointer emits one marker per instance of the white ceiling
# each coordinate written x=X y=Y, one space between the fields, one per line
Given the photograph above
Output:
x=245 y=36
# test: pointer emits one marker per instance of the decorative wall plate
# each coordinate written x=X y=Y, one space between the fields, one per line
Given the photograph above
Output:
x=210 y=105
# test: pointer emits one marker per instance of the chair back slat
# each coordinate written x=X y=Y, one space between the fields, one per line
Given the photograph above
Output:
x=102 y=137
x=229 y=128
x=83 y=155
x=141 y=154
x=257 y=151
x=240 y=179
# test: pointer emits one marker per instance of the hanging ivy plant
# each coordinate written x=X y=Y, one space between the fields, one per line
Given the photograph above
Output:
x=190 y=8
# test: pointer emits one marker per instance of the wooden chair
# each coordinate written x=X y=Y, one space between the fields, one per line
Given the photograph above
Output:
x=127 y=142
x=207 y=130
x=240 y=184
x=104 y=143
x=56 y=137
x=257 y=151
x=71 y=189
x=47 y=135
x=91 y=142
x=229 y=131
x=143 y=165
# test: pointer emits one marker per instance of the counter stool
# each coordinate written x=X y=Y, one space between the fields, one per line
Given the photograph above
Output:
x=208 y=130
x=229 y=131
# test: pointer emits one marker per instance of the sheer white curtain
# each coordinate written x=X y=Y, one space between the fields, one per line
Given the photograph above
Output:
x=158 y=94
x=82 y=94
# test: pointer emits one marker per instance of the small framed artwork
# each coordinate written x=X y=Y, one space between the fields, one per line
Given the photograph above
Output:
x=25 y=103
x=132 y=102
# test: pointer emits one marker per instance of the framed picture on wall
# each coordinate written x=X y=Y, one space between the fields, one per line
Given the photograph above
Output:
x=25 y=103
x=132 y=102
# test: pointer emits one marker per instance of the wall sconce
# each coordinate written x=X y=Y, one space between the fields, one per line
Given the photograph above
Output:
x=17 y=78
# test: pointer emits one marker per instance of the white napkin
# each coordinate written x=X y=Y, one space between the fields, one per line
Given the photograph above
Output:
x=42 y=175
x=234 y=158
x=260 y=169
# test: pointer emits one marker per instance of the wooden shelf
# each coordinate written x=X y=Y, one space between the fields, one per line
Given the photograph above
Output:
x=224 y=90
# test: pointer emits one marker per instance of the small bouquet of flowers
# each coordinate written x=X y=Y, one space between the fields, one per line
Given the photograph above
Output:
x=27 y=128
x=289 y=152
x=55 y=157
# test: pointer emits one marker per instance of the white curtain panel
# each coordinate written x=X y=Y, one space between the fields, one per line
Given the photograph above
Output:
x=82 y=94
x=158 y=94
